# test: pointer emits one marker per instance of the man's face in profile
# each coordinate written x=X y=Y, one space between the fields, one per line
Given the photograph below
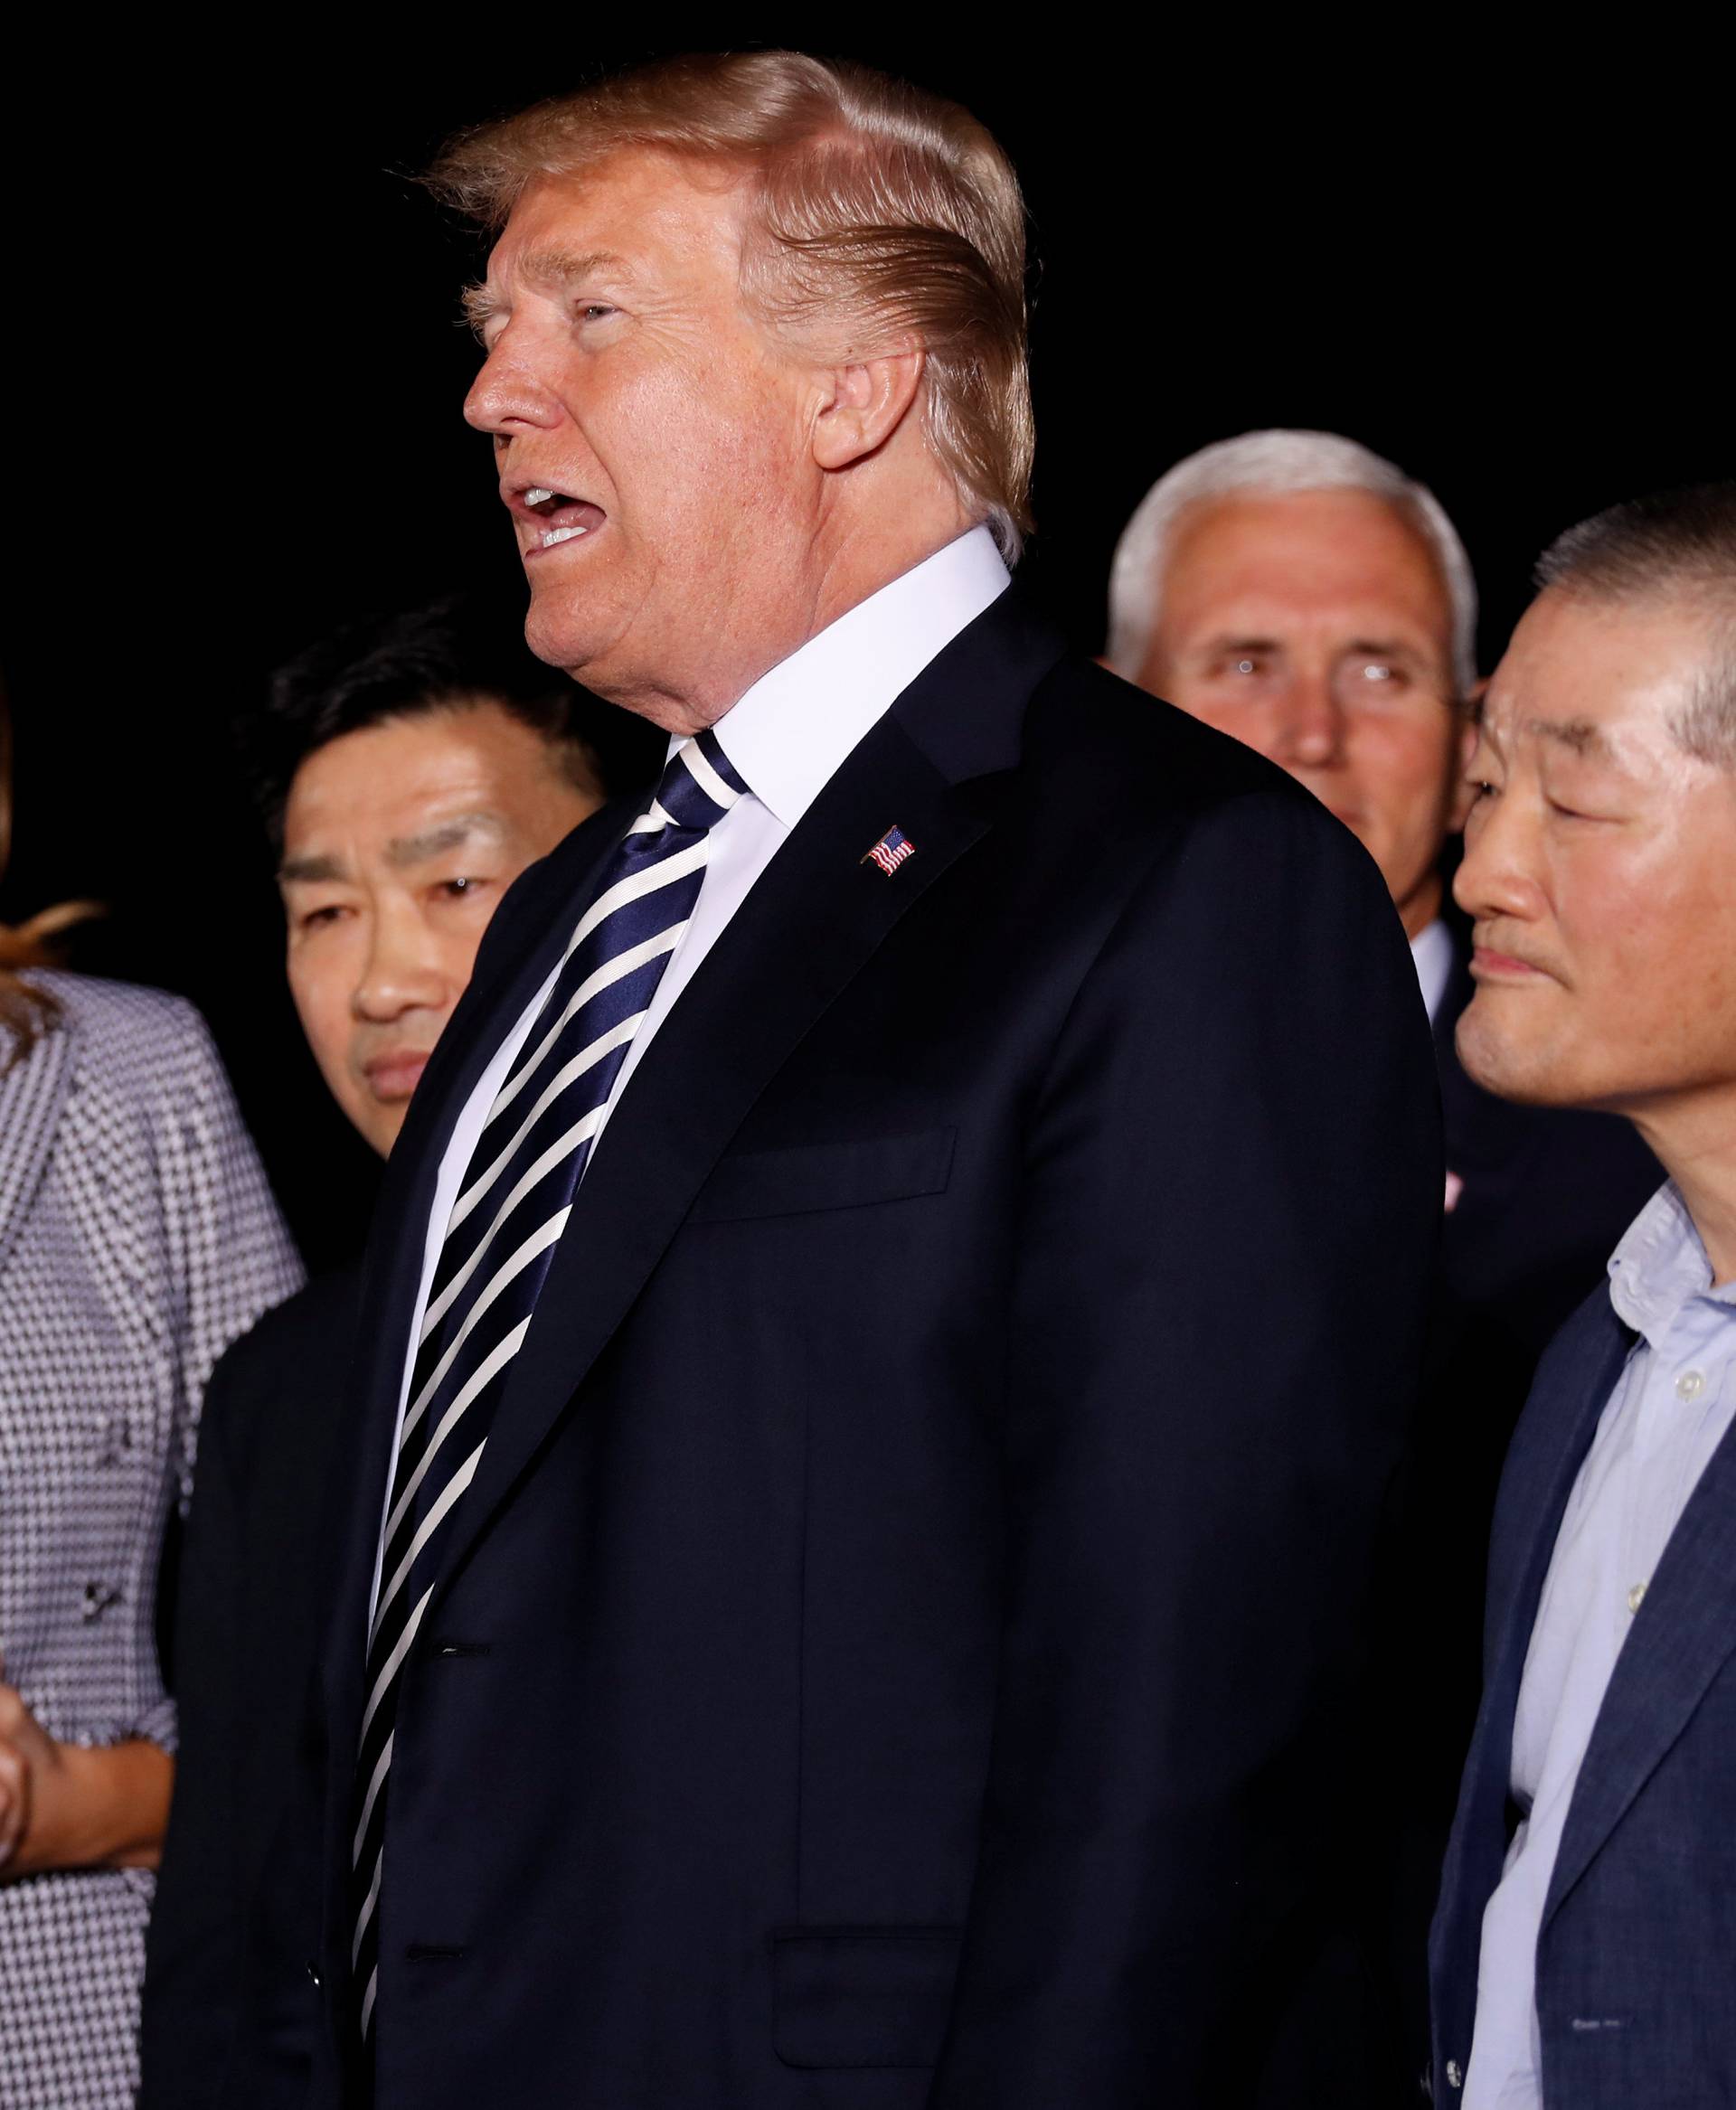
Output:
x=399 y=841
x=647 y=431
x=1600 y=866
x=1316 y=626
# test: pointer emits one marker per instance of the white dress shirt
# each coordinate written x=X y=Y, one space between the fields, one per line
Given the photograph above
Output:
x=1431 y=950
x=786 y=737
x=1668 y=1414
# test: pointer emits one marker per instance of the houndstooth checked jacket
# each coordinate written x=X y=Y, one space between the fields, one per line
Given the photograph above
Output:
x=138 y=1239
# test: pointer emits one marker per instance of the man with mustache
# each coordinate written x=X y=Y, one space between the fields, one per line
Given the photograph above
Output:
x=1582 y=1955
x=892 y=1318
x=409 y=768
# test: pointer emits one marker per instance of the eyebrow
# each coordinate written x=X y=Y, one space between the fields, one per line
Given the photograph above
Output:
x=309 y=871
x=1375 y=647
x=1385 y=648
x=1235 y=641
x=1579 y=736
x=323 y=869
x=404 y=849
x=556 y=267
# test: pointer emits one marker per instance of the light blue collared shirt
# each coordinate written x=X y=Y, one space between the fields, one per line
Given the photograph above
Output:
x=1669 y=1411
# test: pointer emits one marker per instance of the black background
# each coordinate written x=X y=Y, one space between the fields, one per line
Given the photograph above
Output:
x=237 y=370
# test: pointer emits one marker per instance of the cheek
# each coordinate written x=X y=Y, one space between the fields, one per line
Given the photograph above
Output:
x=1248 y=719
x=320 y=991
x=684 y=432
x=1621 y=926
x=1406 y=769
x=1609 y=909
x=455 y=949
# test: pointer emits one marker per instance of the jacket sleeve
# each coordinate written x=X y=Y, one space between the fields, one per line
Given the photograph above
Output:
x=1232 y=1200
x=192 y=1947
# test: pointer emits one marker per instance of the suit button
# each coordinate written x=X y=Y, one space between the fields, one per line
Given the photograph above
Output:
x=1455 y=2079
x=313 y=1976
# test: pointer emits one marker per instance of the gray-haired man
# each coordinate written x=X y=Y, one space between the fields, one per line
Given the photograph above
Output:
x=1307 y=597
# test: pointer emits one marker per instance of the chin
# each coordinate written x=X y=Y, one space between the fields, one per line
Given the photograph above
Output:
x=1511 y=1065
x=568 y=628
x=554 y=635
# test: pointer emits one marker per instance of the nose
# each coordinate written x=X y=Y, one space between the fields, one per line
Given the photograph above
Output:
x=1310 y=725
x=402 y=971
x=507 y=395
x=1499 y=873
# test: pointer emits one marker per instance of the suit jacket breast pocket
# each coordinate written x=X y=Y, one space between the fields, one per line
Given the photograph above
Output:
x=813 y=1176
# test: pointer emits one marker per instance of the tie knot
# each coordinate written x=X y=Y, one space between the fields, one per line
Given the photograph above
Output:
x=700 y=784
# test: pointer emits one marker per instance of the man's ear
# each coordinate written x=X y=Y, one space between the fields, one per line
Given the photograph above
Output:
x=862 y=405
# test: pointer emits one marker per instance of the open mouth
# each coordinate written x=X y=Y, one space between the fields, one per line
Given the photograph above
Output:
x=557 y=516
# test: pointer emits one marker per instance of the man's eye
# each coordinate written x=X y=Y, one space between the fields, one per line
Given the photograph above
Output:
x=594 y=311
x=319 y=918
x=1377 y=670
x=457 y=889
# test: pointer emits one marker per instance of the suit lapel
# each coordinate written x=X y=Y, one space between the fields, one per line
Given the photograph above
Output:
x=1542 y=1469
x=1683 y=1636
x=1548 y=1449
x=933 y=766
x=815 y=916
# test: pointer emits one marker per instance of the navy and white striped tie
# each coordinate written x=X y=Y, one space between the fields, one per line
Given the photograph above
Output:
x=512 y=1207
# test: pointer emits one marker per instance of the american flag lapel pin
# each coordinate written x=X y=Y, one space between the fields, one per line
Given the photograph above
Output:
x=893 y=847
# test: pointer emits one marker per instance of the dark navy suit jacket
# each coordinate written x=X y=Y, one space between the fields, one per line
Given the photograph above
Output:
x=900 y=1649
x=246 y=1632
x=1636 y=1958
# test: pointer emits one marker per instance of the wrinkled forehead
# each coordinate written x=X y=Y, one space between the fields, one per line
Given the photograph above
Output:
x=1604 y=685
x=651 y=218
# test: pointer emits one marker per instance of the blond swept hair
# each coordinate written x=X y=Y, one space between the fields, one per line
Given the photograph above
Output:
x=881 y=216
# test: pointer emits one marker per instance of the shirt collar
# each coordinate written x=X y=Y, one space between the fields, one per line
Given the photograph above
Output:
x=789 y=733
x=1432 y=951
x=1660 y=1265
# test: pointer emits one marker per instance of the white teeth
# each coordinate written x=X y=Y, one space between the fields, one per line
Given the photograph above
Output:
x=564 y=534
x=538 y=497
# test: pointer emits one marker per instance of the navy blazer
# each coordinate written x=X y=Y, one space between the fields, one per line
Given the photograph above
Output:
x=1636 y=1956
x=247 y=1630
x=899 y=1647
